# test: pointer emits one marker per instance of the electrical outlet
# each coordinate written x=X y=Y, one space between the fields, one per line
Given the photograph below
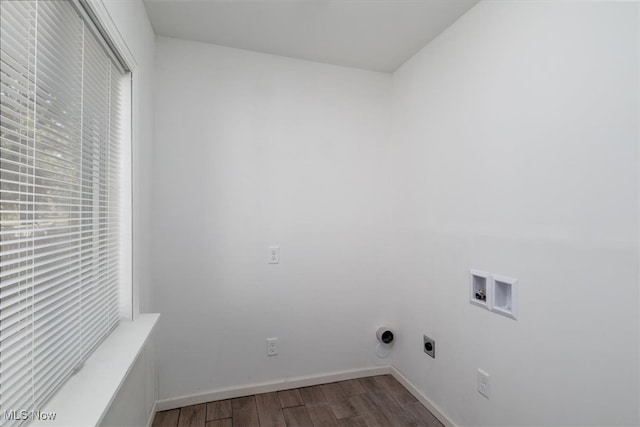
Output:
x=272 y=346
x=273 y=253
x=483 y=383
x=429 y=346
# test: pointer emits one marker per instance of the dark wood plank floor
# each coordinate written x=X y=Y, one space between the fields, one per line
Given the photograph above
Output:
x=372 y=401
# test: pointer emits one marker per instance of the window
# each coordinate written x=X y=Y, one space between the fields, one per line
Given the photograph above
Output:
x=61 y=93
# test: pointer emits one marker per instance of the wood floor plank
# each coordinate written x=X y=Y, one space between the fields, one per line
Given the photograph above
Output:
x=344 y=410
x=338 y=400
x=390 y=407
x=353 y=422
x=366 y=407
x=290 y=398
x=269 y=411
x=373 y=421
x=313 y=396
x=193 y=416
x=352 y=387
x=219 y=410
x=421 y=416
x=321 y=415
x=297 y=416
x=333 y=392
x=379 y=401
x=166 y=418
x=245 y=413
x=369 y=384
x=397 y=390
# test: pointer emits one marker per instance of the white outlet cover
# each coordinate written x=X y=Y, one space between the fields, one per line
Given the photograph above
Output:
x=484 y=386
x=273 y=254
x=272 y=346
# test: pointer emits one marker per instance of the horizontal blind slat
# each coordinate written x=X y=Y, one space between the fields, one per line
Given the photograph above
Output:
x=59 y=235
x=17 y=78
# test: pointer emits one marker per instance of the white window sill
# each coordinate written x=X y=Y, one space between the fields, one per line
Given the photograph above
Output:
x=85 y=398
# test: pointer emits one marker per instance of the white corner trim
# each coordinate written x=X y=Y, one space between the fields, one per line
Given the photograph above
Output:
x=86 y=396
x=248 y=390
x=152 y=414
x=441 y=416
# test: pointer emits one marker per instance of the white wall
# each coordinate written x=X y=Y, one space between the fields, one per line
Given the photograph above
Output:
x=133 y=404
x=515 y=137
x=513 y=149
x=253 y=150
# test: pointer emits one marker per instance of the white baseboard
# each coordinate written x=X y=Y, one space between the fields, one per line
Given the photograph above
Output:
x=441 y=416
x=248 y=390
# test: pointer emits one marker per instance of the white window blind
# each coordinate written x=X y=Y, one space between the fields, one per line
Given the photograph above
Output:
x=60 y=155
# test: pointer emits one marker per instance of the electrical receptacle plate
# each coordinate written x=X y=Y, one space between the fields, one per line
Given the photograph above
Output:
x=483 y=383
x=272 y=346
x=429 y=346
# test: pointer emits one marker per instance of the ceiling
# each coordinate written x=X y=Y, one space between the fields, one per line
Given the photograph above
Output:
x=378 y=35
